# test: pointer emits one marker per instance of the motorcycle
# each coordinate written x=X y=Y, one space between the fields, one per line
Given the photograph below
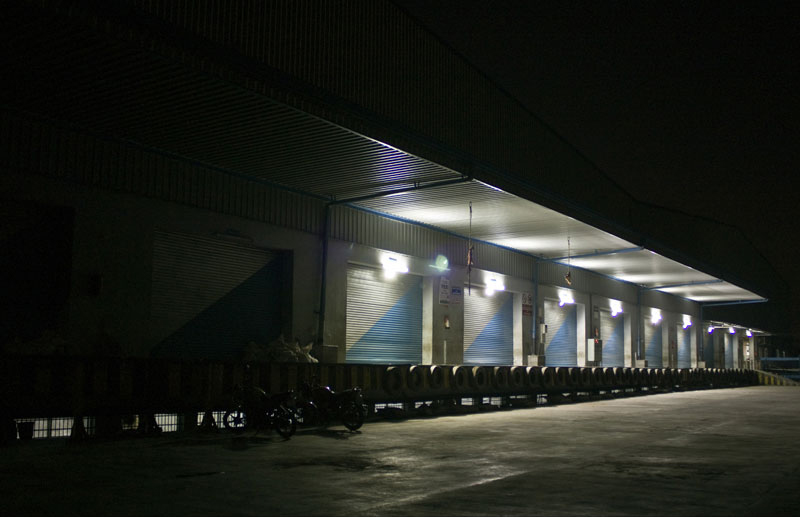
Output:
x=253 y=408
x=319 y=405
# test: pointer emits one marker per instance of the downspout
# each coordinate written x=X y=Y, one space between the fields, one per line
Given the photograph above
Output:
x=324 y=276
x=536 y=336
x=640 y=325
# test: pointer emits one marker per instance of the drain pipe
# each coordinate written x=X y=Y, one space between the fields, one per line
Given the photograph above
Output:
x=640 y=325
x=323 y=276
x=536 y=333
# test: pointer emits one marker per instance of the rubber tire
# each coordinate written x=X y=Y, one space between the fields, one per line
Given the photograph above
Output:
x=353 y=417
x=285 y=423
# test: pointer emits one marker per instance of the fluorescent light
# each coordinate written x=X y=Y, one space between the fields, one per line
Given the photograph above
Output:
x=616 y=308
x=687 y=321
x=565 y=297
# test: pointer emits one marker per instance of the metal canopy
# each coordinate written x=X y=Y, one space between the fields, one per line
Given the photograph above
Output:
x=72 y=74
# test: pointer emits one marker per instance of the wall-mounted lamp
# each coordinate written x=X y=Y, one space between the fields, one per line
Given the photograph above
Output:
x=710 y=329
x=392 y=266
x=494 y=284
x=687 y=321
x=564 y=298
x=749 y=333
x=616 y=308
x=655 y=316
x=732 y=330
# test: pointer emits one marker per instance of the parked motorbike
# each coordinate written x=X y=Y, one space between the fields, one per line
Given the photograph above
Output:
x=319 y=405
x=253 y=408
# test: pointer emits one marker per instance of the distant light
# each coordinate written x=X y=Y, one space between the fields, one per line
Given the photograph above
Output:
x=687 y=321
x=655 y=315
x=710 y=329
x=732 y=330
x=565 y=297
x=616 y=308
x=749 y=333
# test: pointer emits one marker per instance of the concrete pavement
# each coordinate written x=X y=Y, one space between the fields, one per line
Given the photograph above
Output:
x=711 y=452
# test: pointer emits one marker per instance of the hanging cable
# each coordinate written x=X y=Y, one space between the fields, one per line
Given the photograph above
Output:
x=568 y=276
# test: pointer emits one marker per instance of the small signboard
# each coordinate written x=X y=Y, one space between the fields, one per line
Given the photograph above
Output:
x=444 y=290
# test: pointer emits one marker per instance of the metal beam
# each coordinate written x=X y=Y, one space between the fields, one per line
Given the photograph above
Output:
x=737 y=302
x=596 y=254
x=415 y=187
x=687 y=284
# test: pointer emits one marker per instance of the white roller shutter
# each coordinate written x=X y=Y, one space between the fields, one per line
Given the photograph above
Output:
x=489 y=329
x=384 y=317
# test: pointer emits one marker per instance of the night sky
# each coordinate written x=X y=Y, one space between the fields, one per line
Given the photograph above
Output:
x=692 y=106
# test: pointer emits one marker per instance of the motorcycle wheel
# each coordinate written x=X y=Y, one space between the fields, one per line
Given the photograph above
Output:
x=307 y=415
x=235 y=420
x=353 y=417
x=285 y=423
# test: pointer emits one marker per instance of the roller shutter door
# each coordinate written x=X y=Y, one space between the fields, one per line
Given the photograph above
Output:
x=728 y=350
x=561 y=340
x=684 y=348
x=612 y=331
x=384 y=317
x=211 y=297
x=489 y=329
x=653 y=338
x=708 y=349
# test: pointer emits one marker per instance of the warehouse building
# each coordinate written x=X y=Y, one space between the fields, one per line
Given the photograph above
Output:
x=185 y=183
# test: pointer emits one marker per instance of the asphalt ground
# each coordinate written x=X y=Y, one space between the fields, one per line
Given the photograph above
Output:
x=711 y=452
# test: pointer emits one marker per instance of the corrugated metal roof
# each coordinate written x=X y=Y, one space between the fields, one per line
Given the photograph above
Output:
x=108 y=86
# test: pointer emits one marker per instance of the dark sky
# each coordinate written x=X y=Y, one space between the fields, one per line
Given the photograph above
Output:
x=693 y=105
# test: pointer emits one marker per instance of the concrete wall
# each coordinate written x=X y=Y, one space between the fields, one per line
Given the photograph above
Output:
x=113 y=241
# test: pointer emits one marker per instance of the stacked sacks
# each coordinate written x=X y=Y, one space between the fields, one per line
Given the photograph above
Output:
x=280 y=351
